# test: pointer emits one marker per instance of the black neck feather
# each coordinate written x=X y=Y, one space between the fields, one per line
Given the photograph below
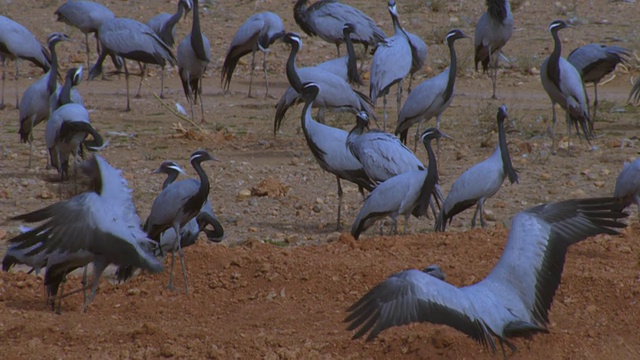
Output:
x=196 y=35
x=507 y=167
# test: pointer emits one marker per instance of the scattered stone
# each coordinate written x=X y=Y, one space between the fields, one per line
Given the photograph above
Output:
x=545 y=176
x=489 y=215
x=166 y=350
x=253 y=202
x=591 y=308
x=252 y=229
x=270 y=187
x=45 y=194
x=3 y=233
x=244 y=194
x=292 y=239
x=599 y=184
x=133 y=292
x=317 y=208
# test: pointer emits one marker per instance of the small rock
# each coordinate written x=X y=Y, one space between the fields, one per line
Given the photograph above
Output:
x=489 y=215
x=167 y=350
x=534 y=71
x=317 y=208
x=545 y=176
x=133 y=292
x=243 y=194
x=45 y=194
x=319 y=201
x=253 y=202
x=292 y=239
x=270 y=187
x=591 y=308
x=252 y=229
x=21 y=284
x=598 y=184
x=3 y=233
x=624 y=249
x=461 y=154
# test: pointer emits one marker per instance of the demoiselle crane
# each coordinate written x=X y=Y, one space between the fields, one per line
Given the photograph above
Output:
x=335 y=93
x=131 y=39
x=67 y=128
x=493 y=30
x=401 y=194
x=325 y=19
x=16 y=42
x=35 y=106
x=432 y=97
x=176 y=205
x=391 y=63
x=257 y=33
x=194 y=53
x=563 y=84
x=479 y=182
x=327 y=144
x=86 y=16
x=513 y=300
x=594 y=61
x=103 y=222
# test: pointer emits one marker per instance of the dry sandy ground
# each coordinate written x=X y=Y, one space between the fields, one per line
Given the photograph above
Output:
x=278 y=286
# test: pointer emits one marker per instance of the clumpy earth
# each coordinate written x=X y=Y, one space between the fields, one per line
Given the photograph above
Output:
x=279 y=284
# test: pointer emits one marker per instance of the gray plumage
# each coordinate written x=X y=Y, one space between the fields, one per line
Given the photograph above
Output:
x=435 y=271
x=335 y=93
x=563 y=84
x=327 y=144
x=493 y=30
x=176 y=205
x=16 y=42
x=594 y=61
x=194 y=53
x=191 y=230
x=381 y=154
x=419 y=58
x=165 y=25
x=57 y=264
x=391 y=63
x=513 y=300
x=67 y=128
x=325 y=19
x=35 y=104
x=86 y=16
x=257 y=33
x=628 y=184
x=345 y=67
x=401 y=194
x=479 y=182
x=432 y=97
x=103 y=222
x=131 y=39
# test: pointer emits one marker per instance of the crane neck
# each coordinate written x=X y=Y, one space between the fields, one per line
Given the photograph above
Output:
x=453 y=69
x=498 y=9
x=196 y=35
x=173 y=20
x=507 y=166
x=65 y=93
x=352 y=64
x=195 y=202
x=52 y=82
x=301 y=18
x=430 y=180
x=553 y=64
x=292 y=71
x=171 y=177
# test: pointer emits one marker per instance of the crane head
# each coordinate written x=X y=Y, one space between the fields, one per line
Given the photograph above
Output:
x=188 y=5
x=454 y=35
x=168 y=167
x=435 y=271
x=347 y=29
x=56 y=37
x=199 y=156
x=362 y=120
x=433 y=133
x=292 y=39
x=557 y=25
x=309 y=91
x=502 y=113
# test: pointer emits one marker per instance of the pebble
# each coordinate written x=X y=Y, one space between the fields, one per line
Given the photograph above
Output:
x=317 y=208
x=253 y=202
x=133 y=292
x=489 y=215
x=292 y=239
x=244 y=194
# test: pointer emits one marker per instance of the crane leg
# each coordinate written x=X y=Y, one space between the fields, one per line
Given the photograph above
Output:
x=595 y=102
x=86 y=45
x=406 y=223
x=416 y=138
x=184 y=268
x=321 y=113
x=173 y=259
x=338 y=49
x=253 y=66
x=59 y=296
x=162 y=82
x=473 y=219
x=552 y=129
x=399 y=99
x=384 y=108
x=483 y=222
x=16 y=79
x=202 y=121
x=494 y=74
x=339 y=225
x=84 y=283
x=143 y=67
x=98 y=269
x=364 y=56
x=264 y=68
x=410 y=83
x=126 y=78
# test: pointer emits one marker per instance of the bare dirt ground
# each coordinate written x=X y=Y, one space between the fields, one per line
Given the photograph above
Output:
x=279 y=284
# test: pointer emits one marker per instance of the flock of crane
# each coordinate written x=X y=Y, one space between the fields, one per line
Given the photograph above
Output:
x=102 y=227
